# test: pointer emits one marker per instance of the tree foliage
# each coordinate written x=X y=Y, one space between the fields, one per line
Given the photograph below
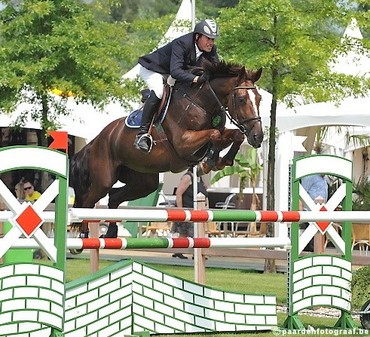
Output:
x=294 y=41
x=131 y=10
x=56 y=44
x=361 y=197
x=360 y=286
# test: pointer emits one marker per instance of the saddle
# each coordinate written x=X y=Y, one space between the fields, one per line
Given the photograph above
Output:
x=133 y=120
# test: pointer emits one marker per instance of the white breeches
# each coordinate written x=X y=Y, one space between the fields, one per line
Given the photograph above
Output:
x=153 y=80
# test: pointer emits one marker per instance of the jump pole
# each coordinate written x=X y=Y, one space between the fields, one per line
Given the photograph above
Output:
x=162 y=215
x=164 y=243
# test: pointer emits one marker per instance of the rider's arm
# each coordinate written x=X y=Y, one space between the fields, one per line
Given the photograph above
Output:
x=184 y=183
x=180 y=60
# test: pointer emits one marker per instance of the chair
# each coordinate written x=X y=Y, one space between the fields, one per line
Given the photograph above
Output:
x=212 y=229
x=166 y=201
x=225 y=205
x=361 y=237
x=338 y=229
x=155 y=229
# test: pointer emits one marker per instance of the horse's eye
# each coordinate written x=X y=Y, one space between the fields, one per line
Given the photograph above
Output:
x=241 y=99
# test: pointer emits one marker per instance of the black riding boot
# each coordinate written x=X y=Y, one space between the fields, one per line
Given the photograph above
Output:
x=142 y=140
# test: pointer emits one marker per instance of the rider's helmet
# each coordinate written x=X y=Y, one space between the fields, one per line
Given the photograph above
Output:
x=208 y=28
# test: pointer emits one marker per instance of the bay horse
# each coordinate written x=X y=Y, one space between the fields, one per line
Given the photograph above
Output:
x=194 y=124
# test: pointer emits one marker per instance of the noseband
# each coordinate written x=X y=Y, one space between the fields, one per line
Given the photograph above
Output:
x=239 y=124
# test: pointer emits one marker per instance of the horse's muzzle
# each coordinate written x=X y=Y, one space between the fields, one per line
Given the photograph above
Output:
x=255 y=139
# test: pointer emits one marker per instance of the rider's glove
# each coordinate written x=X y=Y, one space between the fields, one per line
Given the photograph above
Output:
x=202 y=78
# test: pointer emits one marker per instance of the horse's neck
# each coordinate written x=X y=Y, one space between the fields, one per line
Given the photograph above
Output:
x=209 y=96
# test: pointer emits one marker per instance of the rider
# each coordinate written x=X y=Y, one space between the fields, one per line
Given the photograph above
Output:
x=174 y=58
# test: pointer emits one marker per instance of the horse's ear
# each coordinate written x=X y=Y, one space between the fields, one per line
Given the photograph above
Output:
x=242 y=73
x=257 y=75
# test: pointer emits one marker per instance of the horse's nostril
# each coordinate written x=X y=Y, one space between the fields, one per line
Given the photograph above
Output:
x=258 y=135
x=257 y=139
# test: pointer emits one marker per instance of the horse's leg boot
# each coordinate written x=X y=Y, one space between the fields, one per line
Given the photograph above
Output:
x=112 y=231
x=82 y=235
x=142 y=139
x=212 y=157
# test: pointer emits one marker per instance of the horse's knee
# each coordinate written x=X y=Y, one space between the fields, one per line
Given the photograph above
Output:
x=215 y=136
x=239 y=138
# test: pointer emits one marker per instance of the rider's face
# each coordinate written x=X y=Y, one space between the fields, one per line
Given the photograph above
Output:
x=205 y=43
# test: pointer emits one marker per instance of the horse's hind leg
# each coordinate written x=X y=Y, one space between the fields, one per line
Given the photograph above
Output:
x=137 y=185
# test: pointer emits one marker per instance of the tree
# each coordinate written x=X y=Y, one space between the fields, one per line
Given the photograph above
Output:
x=293 y=41
x=131 y=10
x=56 y=44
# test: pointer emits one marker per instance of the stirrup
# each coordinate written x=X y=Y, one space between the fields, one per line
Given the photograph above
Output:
x=139 y=142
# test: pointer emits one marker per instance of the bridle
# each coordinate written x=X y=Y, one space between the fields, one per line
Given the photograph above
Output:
x=238 y=124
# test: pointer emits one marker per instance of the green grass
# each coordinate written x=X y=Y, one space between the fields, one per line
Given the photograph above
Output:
x=77 y=268
x=243 y=281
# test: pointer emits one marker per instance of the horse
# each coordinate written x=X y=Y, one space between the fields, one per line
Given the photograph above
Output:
x=192 y=129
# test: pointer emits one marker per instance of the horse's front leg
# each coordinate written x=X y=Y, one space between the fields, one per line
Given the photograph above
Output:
x=191 y=141
x=229 y=137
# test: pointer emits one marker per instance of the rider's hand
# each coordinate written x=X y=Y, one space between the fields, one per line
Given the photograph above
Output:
x=202 y=78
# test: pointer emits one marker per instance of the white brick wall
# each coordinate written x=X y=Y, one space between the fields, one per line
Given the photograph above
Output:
x=321 y=280
x=31 y=298
x=125 y=298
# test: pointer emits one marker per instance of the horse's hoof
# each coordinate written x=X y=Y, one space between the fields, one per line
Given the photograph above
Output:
x=84 y=235
x=205 y=168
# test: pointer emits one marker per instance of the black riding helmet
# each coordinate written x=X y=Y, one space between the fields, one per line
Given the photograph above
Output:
x=208 y=28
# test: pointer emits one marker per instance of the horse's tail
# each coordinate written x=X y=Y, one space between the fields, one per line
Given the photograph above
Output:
x=79 y=177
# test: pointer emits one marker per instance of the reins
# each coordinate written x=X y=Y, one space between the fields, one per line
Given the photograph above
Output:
x=223 y=109
x=240 y=125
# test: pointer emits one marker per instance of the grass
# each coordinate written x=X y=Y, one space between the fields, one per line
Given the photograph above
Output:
x=77 y=268
x=233 y=280
x=237 y=280
x=245 y=281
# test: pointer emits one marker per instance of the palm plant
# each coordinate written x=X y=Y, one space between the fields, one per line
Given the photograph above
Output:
x=247 y=167
x=361 y=202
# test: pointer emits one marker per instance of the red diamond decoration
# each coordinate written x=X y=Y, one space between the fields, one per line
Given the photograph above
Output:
x=323 y=225
x=29 y=220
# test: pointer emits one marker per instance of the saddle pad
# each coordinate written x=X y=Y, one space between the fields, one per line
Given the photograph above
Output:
x=134 y=118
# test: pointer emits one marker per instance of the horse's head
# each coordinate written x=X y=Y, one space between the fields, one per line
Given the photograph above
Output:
x=243 y=104
x=242 y=99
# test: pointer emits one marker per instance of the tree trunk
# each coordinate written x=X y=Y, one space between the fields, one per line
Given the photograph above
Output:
x=43 y=140
x=270 y=266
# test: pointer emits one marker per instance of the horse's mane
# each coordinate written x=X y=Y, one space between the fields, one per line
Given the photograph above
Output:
x=222 y=68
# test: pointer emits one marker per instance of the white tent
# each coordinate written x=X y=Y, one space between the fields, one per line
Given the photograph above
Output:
x=180 y=26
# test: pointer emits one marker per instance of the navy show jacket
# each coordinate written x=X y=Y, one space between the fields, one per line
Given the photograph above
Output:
x=175 y=58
